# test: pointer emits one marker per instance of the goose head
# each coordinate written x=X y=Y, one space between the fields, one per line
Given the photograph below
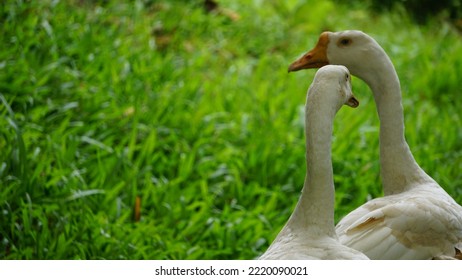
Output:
x=354 y=49
x=336 y=82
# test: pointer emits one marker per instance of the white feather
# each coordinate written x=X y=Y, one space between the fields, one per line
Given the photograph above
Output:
x=416 y=219
x=309 y=233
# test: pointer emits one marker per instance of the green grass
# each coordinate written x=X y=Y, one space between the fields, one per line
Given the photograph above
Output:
x=193 y=112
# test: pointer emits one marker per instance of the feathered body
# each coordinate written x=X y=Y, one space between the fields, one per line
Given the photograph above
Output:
x=417 y=218
x=309 y=233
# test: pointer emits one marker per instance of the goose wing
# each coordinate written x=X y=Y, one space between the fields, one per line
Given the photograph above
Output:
x=417 y=224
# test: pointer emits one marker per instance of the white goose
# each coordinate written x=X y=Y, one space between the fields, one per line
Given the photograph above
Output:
x=416 y=219
x=309 y=233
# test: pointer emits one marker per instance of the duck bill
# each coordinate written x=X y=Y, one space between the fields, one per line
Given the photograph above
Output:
x=352 y=102
x=316 y=58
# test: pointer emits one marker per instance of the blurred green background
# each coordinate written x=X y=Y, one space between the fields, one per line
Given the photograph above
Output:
x=187 y=108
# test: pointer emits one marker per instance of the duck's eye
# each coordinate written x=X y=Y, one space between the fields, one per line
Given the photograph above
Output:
x=344 y=42
x=347 y=77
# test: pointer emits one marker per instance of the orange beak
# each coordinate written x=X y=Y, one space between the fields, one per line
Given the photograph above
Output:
x=315 y=58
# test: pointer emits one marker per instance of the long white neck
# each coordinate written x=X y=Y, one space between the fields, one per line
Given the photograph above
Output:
x=398 y=168
x=314 y=212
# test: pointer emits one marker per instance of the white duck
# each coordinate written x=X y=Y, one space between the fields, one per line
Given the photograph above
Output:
x=416 y=219
x=309 y=233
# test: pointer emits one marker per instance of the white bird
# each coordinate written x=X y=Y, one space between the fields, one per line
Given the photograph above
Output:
x=416 y=219
x=310 y=233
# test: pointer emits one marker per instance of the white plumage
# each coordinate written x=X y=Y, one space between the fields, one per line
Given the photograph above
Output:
x=416 y=219
x=309 y=233
x=418 y=224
